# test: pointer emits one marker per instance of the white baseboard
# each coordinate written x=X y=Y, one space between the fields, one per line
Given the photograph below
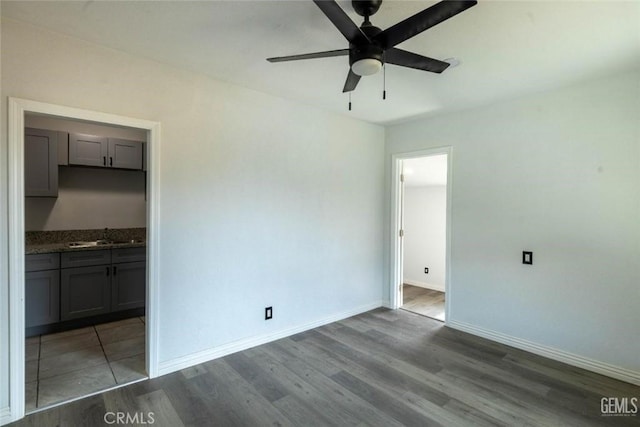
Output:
x=424 y=285
x=592 y=365
x=5 y=415
x=233 y=347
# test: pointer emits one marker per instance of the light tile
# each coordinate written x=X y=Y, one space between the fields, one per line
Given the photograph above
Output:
x=121 y=332
x=31 y=351
x=71 y=361
x=72 y=343
x=31 y=371
x=129 y=369
x=67 y=334
x=124 y=349
x=74 y=384
x=32 y=340
x=31 y=395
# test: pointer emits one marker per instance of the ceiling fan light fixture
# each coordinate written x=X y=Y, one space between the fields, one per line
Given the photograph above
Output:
x=366 y=66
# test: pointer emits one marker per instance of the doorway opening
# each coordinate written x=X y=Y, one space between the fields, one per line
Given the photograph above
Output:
x=422 y=230
x=83 y=317
x=85 y=223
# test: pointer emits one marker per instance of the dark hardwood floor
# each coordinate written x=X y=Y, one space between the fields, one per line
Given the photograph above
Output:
x=382 y=368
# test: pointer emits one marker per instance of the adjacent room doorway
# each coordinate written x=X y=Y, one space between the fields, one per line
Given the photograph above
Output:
x=421 y=232
x=18 y=110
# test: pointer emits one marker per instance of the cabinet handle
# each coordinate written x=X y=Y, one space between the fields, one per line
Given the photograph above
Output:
x=110 y=161
x=107 y=271
x=104 y=160
x=115 y=270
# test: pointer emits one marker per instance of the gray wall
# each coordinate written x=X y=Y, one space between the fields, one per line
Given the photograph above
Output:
x=425 y=236
x=556 y=173
x=263 y=201
x=90 y=198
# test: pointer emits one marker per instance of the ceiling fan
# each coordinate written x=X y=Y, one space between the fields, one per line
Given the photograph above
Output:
x=370 y=47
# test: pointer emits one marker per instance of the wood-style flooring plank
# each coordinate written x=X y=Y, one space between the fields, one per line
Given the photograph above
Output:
x=383 y=368
x=293 y=357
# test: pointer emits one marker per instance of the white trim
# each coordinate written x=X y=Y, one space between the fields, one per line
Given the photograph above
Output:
x=5 y=415
x=104 y=390
x=233 y=347
x=592 y=365
x=395 y=254
x=17 y=109
x=424 y=285
x=16 y=258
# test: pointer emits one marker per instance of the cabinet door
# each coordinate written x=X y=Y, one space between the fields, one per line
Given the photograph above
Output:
x=40 y=163
x=88 y=150
x=85 y=291
x=125 y=154
x=128 y=285
x=42 y=297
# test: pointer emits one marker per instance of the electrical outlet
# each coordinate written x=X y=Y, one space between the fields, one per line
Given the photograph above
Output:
x=268 y=313
x=426 y=270
x=527 y=257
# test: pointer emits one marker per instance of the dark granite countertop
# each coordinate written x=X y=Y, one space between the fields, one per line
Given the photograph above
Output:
x=47 y=248
x=43 y=242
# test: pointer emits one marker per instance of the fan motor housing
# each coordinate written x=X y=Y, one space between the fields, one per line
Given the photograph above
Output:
x=369 y=50
x=372 y=51
x=366 y=7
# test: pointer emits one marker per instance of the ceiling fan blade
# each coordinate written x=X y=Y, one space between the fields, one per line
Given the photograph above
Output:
x=352 y=81
x=342 y=22
x=421 y=21
x=326 y=54
x=413 y=60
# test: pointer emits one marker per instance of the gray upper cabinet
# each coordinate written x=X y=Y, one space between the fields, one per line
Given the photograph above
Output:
x=91 y=150
x=88 y=150
x=125 y=154
x=40 y=163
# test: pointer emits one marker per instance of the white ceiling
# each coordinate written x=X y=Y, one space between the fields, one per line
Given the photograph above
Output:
x=506 y=48
x=425 y=171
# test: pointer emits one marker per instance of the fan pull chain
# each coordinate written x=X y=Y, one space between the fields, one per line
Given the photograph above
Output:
x=349 y=101
x=384 y=82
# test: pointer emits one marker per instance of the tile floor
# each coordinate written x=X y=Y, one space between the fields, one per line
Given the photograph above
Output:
x=423 y=301
x=74 y=363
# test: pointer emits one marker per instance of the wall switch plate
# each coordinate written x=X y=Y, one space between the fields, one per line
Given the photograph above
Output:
x=426 y=270
x=268 y=313
x=527 y=257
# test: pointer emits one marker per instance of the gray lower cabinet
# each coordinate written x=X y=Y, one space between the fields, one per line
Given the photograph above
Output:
x=42 y=289
x=42 y=297
x=128 y=285
x=101 y=281
x=85 y=291
x=40 y=163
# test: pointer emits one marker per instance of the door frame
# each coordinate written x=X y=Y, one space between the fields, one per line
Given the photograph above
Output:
x=16 y=120
x=396 y=252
